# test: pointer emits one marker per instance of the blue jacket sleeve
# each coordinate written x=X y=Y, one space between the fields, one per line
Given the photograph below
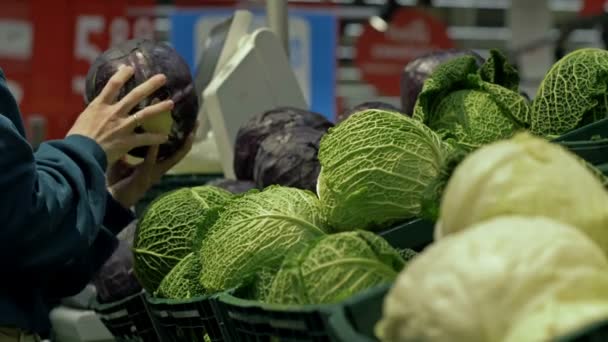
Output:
x=73 y=278
x=52 y=203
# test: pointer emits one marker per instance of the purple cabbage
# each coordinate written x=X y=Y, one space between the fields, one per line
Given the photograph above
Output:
x=252 y=133
x=149 y=58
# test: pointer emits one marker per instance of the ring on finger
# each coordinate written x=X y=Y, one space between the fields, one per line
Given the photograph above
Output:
x=136 y=119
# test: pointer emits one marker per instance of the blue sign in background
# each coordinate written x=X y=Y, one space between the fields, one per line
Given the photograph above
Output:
x=322 y=42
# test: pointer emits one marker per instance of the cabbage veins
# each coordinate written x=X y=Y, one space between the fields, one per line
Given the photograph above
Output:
x=183 y=280
x=471 y=105
x=335 y=267
x=573 y=93
x=254 y=233
x=168 y=229
x=374 y=167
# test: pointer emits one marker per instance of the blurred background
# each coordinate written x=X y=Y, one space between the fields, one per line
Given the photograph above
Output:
x=343 y=52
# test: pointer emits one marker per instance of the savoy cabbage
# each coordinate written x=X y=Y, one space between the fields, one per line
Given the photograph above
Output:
x=168 y=229
x=335 y=267
x=572 y=94
x=471 y=105
x=374 y=167
x=254 y=232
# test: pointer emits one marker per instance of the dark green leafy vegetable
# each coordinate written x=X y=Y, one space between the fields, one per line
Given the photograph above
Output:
x=169 y=228
x=472 y=106
x=335 y=267
x=183 y=280
x=573 y=93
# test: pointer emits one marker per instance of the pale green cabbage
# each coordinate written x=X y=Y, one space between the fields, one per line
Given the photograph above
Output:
x=573 y=93
x=374 y=167
x=254 y=232
x=335 y=267
x=525 y=175
x=168 y=229
x=472 y=106
x=481 y=284
x=183 y=280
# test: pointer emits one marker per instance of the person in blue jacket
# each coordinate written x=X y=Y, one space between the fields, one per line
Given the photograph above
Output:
x=62 y=205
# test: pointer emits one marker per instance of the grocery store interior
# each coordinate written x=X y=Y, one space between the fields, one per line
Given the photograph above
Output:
x=333 y=170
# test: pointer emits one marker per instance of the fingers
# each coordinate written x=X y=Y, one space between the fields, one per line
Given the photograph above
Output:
x=146 y=139
x=151 y=156
x=110 y=92
x=148 y=113
x=170 y=162
x=141 y=92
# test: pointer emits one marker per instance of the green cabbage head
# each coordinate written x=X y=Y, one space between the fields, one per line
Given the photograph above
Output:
x=573 y=93
x=254 y=232
x=472 y=106
x=511 y=278
x=170 y=228
x=525 y=175
x=335 y=267
x=374 y=167
x=183 y=280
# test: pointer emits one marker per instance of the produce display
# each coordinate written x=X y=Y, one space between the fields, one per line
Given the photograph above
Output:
x=480 y=285
x=167 y=230
x=520 y=222
x=260 y=126
x=419 y=69
x=289 y=158
x=374 y=167
x=355 y=260
x=149 y=58
x=473 y=105
x=525 y=175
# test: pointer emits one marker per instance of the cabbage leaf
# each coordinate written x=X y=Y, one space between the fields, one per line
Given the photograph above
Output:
x=483 y=283
x=374 y=168
x=169 y=229
x=335 y=267
x=572 y=94
x=254 y=232
x=183 y=280
x=473 y=106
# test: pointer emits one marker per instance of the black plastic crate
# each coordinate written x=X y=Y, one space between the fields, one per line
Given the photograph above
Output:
x=249 y=320
x=187 y=320
x=129 y=319
x=352 y=320
x=355 y=320
x=415 y=234
x=598 y=129
x=596 y=332
x=173 y=182
x=593 y=151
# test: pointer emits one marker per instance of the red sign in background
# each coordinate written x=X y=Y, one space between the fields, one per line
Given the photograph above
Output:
x=45 y=59
x=592 y=7
x=381 y=56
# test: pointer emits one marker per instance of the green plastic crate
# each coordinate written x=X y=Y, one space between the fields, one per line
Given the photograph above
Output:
x=349 y=321
x=129 y=320
x=187 y=320
x=170 y=183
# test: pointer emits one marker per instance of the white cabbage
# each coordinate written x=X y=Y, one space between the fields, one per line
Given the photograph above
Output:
x=506 y=276
x=525 y=175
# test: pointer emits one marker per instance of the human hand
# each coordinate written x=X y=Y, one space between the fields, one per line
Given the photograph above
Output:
x=128 y=183
x=107 y=121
